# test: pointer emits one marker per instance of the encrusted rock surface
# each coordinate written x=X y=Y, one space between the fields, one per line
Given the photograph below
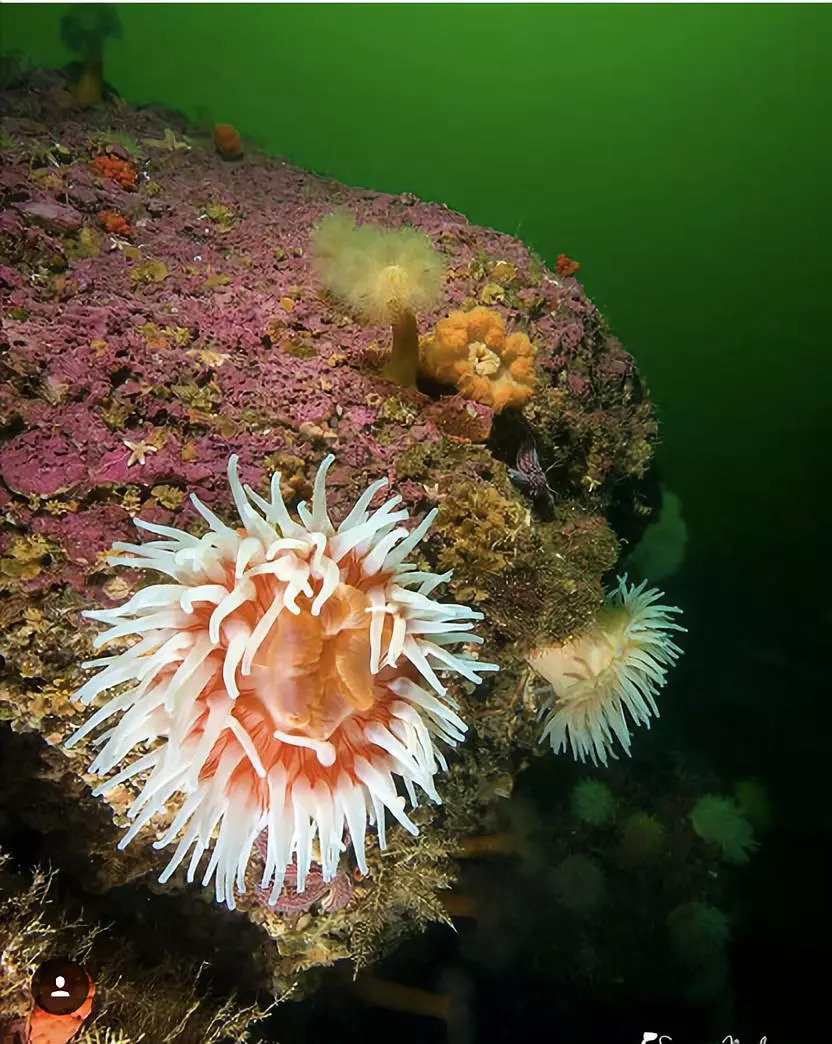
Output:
x=132 y=366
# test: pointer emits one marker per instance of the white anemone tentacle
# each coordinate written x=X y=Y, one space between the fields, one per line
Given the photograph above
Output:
x=218 y=778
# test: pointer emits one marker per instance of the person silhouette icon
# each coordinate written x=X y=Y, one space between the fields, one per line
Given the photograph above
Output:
x=61 y=987
x=63 y=994
x=59 y=990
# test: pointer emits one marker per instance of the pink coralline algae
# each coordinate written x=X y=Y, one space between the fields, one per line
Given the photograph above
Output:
x=570 y=336
x=579 y=385
x=131 y=371
x=330 y=895
x=86 y=540
x=42 y=464
x=52 y=216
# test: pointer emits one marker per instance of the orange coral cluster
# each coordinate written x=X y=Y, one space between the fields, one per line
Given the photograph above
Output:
x=115 y=223
x=472 y=351
x=119 y=170
x=565 y=266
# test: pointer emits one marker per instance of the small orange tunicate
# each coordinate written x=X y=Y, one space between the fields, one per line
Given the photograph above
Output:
x=115 y=223
x=116 y=169
x=228 y=141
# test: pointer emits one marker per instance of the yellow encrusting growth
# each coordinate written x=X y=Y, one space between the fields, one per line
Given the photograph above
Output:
x=472 y=351
x=386 y=275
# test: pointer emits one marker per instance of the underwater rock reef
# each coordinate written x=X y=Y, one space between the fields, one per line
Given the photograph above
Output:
x=164 y=309
x=160 y=1002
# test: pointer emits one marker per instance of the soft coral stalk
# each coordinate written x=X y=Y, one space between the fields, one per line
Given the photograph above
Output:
x=386 y=275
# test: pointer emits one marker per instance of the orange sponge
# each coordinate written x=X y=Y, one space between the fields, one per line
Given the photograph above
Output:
x=115 y=168
x=228 y=141
x=472 y=351
x=115 y=223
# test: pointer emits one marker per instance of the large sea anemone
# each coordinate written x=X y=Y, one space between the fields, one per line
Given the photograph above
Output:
x=281 y=680
x=613 y=669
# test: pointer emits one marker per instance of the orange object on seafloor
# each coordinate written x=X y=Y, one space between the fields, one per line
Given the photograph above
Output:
x=565 y=266
x=115 y=223
x=119 y=170
x=228 y=141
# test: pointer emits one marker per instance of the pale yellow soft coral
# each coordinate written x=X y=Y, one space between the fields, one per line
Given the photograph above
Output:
x=386 y=275
x=472 y=351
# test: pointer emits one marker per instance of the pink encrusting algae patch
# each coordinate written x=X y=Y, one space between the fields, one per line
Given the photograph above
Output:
x=132 y=370
x=335 y=894
x=211 y=311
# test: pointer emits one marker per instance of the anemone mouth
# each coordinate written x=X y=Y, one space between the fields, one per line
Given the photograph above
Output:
x=473 y=351
x=284 y=680
x=483 y=361
x=600 y=683
x=393 y=282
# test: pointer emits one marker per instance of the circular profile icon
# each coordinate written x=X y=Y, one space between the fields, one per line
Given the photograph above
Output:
x=61 y=987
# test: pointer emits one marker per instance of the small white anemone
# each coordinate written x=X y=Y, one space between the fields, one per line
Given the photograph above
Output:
x=613 y=669
x=282 y=679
